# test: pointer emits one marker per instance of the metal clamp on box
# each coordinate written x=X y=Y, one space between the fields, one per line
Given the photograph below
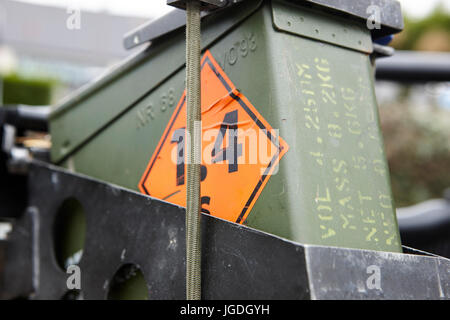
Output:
x=204 y=4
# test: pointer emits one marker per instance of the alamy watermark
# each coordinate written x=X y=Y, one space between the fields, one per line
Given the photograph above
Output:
x=374 y=19
x=74 y=279
x=373 y=282
x=228 y=145
x=73 y=21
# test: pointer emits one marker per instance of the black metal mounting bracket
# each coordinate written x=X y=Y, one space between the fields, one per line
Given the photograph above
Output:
x=125 y=227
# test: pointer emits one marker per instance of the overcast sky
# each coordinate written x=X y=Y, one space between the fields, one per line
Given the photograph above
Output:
x=153 y=8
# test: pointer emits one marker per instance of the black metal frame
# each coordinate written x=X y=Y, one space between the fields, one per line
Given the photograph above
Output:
x=238 y=263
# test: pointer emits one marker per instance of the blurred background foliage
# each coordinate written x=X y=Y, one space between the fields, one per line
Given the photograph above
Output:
x=417 y=133
x=19 y=90
x=429 y=34
x=417 y=144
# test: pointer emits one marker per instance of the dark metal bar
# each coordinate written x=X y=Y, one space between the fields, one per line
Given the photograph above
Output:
x=26 y=117
x=414 y=67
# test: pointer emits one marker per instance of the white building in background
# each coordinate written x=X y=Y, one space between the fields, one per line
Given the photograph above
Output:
x=66 y=44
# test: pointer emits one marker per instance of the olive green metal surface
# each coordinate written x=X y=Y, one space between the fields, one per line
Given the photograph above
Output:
x=332 y=187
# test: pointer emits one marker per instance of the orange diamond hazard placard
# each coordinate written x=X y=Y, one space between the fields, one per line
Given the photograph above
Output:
x=240 y=151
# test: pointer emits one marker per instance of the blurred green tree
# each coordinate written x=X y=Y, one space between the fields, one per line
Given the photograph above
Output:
x=17 y=90
x=429 y=34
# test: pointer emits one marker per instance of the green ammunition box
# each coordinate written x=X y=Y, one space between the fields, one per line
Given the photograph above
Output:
x=306 y=67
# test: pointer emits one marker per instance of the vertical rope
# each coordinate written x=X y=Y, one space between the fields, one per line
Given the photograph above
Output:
x=193 y=125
